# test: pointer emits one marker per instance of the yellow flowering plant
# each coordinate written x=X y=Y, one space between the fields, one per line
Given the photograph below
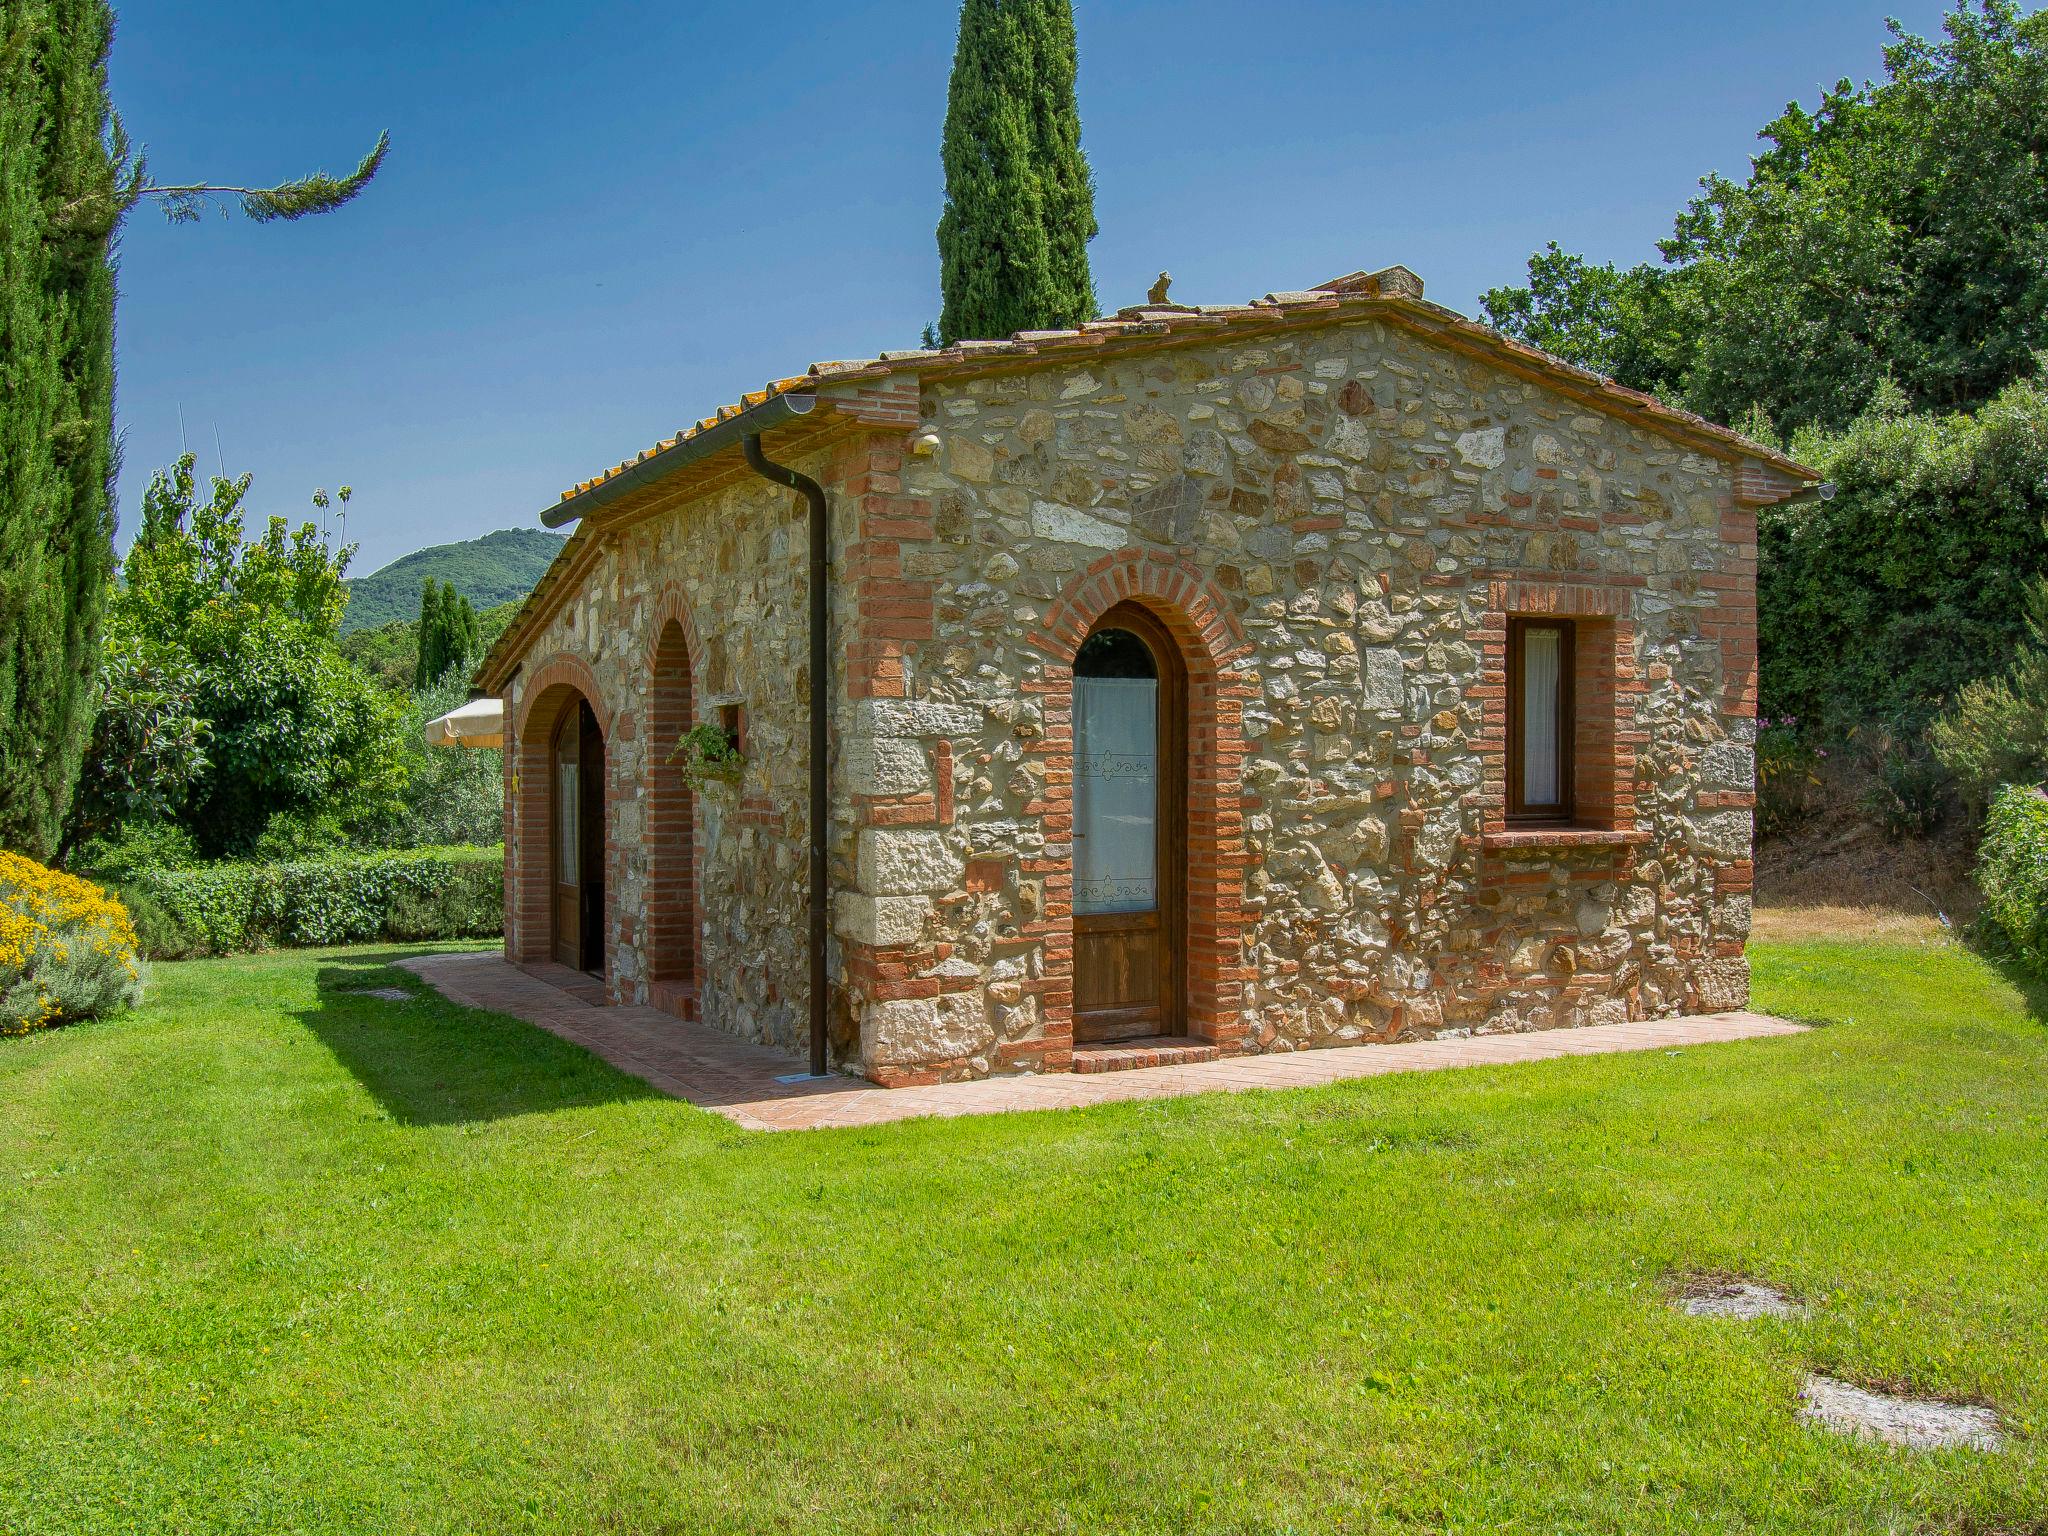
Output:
x=67 y=949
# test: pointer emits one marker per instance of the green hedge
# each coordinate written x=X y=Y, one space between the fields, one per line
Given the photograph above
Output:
x=1874 y=608
x=418 y=893
x=2012 y=872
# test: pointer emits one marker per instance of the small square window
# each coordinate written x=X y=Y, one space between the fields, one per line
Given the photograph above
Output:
x=732 y=720
x=1541 y=722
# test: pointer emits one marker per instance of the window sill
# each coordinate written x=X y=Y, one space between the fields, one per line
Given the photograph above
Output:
x=1563 y=837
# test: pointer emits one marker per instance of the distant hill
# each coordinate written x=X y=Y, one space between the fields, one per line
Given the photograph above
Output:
x=494 y=569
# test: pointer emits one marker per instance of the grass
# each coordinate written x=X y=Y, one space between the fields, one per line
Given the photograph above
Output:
x=275 y=1256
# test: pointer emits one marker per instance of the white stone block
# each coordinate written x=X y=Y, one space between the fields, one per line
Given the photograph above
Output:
x=897 y=861
x=1069 y=525
x=915 y=717
x=920 y=1030
x=1727 y=765
x=1721 y=834
x=885 y=765
x=1380 y=679
x=880 y=920
x=1484 y=450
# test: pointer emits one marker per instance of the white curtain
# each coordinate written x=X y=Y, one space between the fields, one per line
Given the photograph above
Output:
x=1541 y=653
x=567 y=822
x=1116 y=794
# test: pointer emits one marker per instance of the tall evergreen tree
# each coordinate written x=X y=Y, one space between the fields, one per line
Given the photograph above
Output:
x=469 y=634
x=1020 y=203
x=449 y=632
x=426 y=670
x=66 y=179
x=58 y=195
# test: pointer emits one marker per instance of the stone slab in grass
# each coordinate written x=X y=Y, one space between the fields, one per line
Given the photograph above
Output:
x=388 y=994
x=1742 y=1300
x=1919 y=1423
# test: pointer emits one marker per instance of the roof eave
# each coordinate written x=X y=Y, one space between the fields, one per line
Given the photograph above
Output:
x=692 y=448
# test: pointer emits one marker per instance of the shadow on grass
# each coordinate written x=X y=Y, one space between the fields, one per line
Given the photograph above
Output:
x=431 y=1062
x=1990 y=946
x=2028 y=983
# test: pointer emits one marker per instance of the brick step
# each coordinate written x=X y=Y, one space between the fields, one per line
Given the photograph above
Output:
x=1128 y=1055
x=676 y=997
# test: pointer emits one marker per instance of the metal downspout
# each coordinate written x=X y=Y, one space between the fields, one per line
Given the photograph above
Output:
x=813 y=493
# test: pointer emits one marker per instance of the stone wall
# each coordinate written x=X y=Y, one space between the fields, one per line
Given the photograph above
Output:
x=1338 y=524
x=1335 y=524
x=729 y=572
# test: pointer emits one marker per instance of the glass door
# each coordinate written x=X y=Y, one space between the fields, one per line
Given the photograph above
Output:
x=1127 y=797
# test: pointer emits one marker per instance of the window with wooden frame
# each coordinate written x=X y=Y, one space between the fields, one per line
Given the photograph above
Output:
x=1541 y=721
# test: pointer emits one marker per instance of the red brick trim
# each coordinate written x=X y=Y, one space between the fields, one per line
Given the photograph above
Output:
x=1758 y=484
x=885 y=615
x=672 y=934
x=554 y=685
x=1199 y=618
x=563 y=667
x=1605 y=687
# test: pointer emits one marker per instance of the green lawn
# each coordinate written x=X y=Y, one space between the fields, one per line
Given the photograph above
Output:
x=274 y=1257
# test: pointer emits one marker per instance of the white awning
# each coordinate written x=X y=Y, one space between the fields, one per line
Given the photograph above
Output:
x=479 y=723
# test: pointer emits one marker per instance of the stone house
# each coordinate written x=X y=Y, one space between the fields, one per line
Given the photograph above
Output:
x=1209 y=679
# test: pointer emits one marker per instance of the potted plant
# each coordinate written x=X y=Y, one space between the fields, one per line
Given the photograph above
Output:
x=709 y=754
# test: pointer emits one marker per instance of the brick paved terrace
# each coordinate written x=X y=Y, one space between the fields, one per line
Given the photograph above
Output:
x=746 y=1082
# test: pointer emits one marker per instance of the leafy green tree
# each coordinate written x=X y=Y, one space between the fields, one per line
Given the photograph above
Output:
x=451 y=794
x=1898 y=231
x=149 y=741
x=1876 y=607
x=1615 y=321
x=295 y=736
x=1020 y=203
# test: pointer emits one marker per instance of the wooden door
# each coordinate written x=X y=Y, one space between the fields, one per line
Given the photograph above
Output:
x=1130 y=796
x=566 y=835
x=590 y=840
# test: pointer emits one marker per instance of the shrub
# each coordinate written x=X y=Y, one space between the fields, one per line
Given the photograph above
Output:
x=1906 y=788
x=451 y=795
x=160 y=933
x=1996 y=732
x=2012 y=872
x=135 y=845
x=1788 y=781
x=420 y=893
x=67 y=949
x=1875 y=608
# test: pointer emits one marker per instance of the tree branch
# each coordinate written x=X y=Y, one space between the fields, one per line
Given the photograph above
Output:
x=317 y=193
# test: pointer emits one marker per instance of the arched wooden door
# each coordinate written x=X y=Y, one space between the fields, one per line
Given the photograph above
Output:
x=576 y=767
x=1130 y=829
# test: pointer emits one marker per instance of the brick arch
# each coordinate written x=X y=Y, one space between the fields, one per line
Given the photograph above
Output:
x=1199 y=619
x=562 y=668
x=674 y=934
x=556 y=684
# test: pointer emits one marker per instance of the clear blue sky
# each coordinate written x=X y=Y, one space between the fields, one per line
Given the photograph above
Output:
x=601 y=220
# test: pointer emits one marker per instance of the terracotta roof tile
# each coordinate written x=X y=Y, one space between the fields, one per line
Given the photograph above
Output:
x=1392 y=292
x=1395 y=288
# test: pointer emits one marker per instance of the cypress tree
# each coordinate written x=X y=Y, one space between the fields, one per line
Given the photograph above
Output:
x=468 y=633
x=1020 y=203
x=59 y=200
x=427 y=668
x=449 y=632
x=67 y=176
